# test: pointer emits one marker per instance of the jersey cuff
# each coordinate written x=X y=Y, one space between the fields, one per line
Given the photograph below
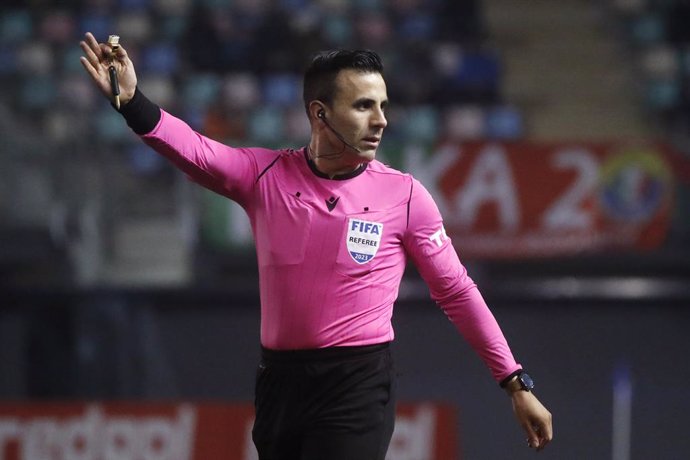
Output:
x=140 y=113
x=505 y=381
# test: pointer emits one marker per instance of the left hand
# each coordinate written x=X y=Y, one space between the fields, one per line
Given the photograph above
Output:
x=534 y=418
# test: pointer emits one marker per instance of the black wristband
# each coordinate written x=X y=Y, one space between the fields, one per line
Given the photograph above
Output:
x=140 y=113
x=505 y=381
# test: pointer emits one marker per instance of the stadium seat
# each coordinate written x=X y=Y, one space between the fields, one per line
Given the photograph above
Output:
x=504 y=123
x=16 y=26
x=109 y=127
x=36 y=58
x=58 y=28
x=241 y=91
x=337 y=30
x=266 y=125
x=663 y=95
x=160 y=59
x=421 y=123
x=199 y=91
x=100 y=24
x=9 y=61
x=281 y=90
x=37 y=93
x=464 y=123
x=648 y=29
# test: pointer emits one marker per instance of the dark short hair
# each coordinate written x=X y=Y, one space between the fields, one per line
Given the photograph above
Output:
x=320 y=75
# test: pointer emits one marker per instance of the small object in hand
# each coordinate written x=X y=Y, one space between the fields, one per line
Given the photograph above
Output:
x=114 y=42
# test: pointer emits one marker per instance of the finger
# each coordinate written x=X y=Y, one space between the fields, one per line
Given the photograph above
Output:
x=532 y=436
x=542 y=443
x=546 y=435
x=89 y=68
x=91 y=56
x=94 y=46
x=120 y=53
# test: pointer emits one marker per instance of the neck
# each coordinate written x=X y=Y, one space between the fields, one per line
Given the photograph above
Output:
x=331 y=164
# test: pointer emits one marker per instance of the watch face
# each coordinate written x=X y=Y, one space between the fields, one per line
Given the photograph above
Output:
x=526 y=381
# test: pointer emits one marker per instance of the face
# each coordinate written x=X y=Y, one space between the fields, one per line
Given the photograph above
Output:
x=357 y=113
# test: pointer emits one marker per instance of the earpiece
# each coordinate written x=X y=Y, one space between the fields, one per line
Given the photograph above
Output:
x=322 y=115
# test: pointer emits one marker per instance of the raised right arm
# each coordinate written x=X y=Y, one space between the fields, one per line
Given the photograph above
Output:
x=223 y=169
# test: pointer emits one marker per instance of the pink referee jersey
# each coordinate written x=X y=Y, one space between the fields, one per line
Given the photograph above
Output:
x=332 y=252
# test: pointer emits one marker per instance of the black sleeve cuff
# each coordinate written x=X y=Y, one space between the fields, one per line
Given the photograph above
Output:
x=140 y=113
x=505 y=381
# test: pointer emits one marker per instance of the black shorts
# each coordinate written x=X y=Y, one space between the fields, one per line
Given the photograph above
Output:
x=334 y=403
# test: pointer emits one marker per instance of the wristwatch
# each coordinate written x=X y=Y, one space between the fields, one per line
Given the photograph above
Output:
x=520 y=381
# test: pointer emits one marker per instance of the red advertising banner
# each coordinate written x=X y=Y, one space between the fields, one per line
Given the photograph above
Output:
x=185 y=431
x=541 y=199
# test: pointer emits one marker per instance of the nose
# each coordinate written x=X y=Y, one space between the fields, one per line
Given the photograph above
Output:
x=379 y=119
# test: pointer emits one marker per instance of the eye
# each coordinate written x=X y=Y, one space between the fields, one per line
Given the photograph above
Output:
x=364 y=105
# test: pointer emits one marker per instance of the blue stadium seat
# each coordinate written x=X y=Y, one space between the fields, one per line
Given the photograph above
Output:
x=266 y=125
x=294 y=5
x=369 y=5
x=160 y=59
x=504 y=123
x=648 y=29
x=337 y=30
x=108 y=126
x=143 y=160
x=100 y=24
x=200 y=90
x=478 y=68
x=684 y=62
x=282 y=90
x=663 y=95
x=421 y=123
x=418 y=27
x=15 y=26
x=172 y=27
x=9 y=61
x=70 y=63
x=194 y=116
x=38 y=92
x=131 y=5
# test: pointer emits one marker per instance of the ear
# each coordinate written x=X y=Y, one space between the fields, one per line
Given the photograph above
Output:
x=317 y=110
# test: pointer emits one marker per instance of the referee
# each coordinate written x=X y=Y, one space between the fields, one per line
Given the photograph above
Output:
x=334 y=229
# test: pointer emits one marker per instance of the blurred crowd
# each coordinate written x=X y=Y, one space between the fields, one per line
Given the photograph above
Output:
x=233 y=68
x=659 y=39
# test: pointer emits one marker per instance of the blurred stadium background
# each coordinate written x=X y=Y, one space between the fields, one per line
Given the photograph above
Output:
x=555 y=136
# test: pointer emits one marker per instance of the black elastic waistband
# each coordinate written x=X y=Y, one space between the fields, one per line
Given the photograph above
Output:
x=318 y=354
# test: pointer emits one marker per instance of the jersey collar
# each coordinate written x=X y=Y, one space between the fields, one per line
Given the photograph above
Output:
x=346 y=176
